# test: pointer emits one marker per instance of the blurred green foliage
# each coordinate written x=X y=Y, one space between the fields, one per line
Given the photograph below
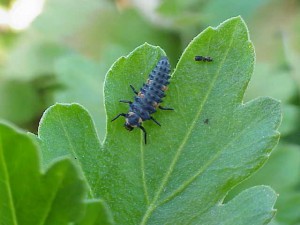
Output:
x=65 y=53
x=5 y=3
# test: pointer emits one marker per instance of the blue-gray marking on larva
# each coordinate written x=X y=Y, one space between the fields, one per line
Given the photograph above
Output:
x=148 y=99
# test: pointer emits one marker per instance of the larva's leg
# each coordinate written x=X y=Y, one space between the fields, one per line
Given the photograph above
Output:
x=165 y=108
x=155 y=121
x=121 y=114
x=126 y=101
x=133 y=89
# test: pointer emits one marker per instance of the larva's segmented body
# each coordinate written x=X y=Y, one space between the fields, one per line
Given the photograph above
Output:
x=148 y=99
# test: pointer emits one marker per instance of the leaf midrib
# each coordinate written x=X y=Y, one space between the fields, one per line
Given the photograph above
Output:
x=153 y=204
x=7 y=184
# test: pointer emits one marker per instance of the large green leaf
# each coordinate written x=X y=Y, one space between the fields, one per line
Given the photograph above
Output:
x=29 y=196
x=208 y=144
x=189 y=163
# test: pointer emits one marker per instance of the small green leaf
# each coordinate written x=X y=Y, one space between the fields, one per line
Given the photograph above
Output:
x=184 y=172
x=31 y=197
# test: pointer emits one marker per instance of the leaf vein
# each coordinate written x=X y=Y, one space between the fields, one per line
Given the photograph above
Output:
x=7 y=184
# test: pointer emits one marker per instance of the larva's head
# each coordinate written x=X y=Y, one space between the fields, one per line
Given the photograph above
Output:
x=132 y=121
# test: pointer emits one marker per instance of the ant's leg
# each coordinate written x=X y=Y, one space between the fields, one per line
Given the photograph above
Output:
x=145 y=133
x=165 y=108
x=133 y=89
x=154 y=120
x=126 y=101
x=121 y=114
